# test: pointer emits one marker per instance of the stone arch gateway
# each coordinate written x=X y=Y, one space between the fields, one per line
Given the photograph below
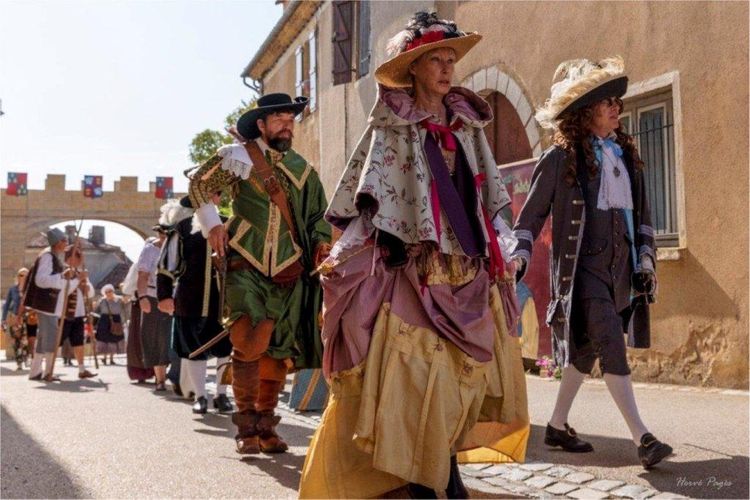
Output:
x=23 y=216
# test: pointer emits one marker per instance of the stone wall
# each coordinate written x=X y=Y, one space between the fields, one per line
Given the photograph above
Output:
x=698 y=49
x=21 y=217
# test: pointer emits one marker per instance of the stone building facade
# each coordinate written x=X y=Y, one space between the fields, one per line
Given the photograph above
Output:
x=687 y=103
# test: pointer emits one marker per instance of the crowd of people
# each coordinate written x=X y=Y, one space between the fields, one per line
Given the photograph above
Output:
x=411 y=313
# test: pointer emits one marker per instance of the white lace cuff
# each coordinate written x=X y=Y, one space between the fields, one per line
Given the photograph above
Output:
x=208 y=218
x=236 y=160
x=505 y=237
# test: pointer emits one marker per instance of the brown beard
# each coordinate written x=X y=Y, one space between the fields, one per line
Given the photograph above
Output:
x=279 y=144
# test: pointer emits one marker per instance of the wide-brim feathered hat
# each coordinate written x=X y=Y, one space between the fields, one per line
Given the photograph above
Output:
x=247 y=125
x=580 y=82
x=424 y=32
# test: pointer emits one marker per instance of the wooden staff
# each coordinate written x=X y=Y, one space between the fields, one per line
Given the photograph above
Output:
x=66 y=291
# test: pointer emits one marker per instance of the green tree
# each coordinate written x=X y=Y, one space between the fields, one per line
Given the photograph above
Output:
x=205 y=143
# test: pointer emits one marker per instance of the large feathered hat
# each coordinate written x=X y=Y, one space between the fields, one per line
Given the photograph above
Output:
x=424 y=32
x=580 y=82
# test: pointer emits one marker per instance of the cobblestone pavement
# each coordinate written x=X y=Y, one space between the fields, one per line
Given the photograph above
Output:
x=708 y=429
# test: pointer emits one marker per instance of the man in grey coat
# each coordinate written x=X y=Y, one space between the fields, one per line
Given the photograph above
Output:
x=603 y=260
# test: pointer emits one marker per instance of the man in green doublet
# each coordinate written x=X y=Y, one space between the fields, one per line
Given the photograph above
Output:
x=273 y=243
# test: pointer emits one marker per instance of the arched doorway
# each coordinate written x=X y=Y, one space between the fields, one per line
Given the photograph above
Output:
x=506 y=133
x=109 y=248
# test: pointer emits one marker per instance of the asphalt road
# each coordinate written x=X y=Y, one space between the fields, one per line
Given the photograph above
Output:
x=708 y=430
x=107 y=437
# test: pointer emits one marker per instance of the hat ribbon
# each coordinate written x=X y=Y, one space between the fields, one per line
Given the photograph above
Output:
x=430 y=37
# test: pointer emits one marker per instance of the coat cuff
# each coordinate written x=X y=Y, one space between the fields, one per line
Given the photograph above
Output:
x=208 y=218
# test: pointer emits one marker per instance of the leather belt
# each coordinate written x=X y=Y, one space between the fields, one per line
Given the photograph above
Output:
x=239 y=264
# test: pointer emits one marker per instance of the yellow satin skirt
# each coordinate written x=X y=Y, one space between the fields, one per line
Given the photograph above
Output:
x=416 y=399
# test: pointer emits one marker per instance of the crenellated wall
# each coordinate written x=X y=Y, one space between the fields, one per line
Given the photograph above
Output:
x=23 y=216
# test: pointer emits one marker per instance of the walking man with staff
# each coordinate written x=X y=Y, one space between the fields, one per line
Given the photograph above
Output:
x=48 y=278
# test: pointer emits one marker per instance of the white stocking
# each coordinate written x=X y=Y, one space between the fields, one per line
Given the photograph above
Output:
x=569 y=385
x=621 y=389
x=197 y=373
x=36 y=365
x=48 y=362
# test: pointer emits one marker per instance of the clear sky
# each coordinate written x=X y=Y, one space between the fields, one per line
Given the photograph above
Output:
x=120 y=87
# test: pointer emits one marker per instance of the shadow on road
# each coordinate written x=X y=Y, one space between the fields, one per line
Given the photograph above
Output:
x=716 y=478
x=221 y=425
x=5 y=372
x=28 y=471
x=74 y=385
x=285 y=468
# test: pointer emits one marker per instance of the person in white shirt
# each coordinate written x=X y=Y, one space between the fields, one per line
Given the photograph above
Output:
x=51 y=289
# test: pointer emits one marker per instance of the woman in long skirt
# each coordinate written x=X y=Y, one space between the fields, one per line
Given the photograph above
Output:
x=417 y=297
x=136 y=369
x=110 y=332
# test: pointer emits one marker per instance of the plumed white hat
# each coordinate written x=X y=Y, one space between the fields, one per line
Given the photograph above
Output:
x=580 y=82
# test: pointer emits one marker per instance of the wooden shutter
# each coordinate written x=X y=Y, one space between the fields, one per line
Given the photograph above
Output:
x=364 y=38
x=343 y=14
x=312 y=76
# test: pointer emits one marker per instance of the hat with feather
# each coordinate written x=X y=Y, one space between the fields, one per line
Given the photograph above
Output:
x=424 y=32
x=580 y=82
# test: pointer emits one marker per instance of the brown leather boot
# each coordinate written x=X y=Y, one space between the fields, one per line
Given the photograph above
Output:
x=245 y=384
x=269 y=441
x=247 y=432
x=272 y=373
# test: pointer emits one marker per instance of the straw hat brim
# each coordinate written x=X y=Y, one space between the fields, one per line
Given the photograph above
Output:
x=394 y=73
x=615 y=87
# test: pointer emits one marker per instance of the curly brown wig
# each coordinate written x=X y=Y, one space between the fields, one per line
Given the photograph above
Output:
x=574 y=129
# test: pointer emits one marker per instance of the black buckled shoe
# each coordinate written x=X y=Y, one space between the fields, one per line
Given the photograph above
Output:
x=201 y=405
x=222 y=404
x=418 y=491
x=456 y=488
x=567 y=440
x=652 y=451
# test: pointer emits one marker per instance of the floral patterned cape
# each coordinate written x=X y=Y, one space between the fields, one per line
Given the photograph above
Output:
x=388 y=176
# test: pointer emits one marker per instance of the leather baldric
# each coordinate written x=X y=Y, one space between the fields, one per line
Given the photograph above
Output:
x=265 y=172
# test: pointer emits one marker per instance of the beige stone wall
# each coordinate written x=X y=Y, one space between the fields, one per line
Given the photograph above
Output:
x=21 y=217
x=700 y=323
x=328 y=136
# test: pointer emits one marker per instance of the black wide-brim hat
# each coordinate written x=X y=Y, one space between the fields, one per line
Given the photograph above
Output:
x=247 y=125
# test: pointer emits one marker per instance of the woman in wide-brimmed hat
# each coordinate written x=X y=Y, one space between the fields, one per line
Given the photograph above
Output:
x=591 y=181
x=415 y=321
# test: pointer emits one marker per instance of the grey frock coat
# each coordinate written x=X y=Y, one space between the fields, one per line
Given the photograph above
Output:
x=550 y=194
